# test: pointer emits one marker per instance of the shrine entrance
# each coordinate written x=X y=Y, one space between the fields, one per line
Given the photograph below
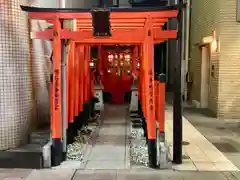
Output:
x=125 y=39
x=117 y=73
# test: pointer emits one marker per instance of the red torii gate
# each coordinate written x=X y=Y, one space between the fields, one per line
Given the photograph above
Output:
x=142 y=27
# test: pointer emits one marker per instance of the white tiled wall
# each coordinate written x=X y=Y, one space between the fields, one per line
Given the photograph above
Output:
x=15 y=82
x=17 y=102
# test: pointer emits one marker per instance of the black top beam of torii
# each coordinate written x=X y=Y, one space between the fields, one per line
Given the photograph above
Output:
x=111 y=9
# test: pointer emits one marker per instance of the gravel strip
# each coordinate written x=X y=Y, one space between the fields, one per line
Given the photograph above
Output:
x=138 y=147
x=76 y=150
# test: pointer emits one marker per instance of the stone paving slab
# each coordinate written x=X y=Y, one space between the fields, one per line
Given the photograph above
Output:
x=95 y=175
x=149 y=174
x=106 y=165
x=105 y=155
x=14 y=173
x=202 y=176
x=51 y=174
x=132 y=174
x=202 y=154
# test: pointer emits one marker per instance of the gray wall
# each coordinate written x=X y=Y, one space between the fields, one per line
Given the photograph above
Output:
x=81 y=3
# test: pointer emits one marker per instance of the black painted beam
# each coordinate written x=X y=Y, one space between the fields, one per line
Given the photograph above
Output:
x=177 y=99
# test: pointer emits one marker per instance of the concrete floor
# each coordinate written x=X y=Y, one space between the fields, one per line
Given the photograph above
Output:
x=223 y=133
x=67 y=174
x=199 y=154
x=103 y=165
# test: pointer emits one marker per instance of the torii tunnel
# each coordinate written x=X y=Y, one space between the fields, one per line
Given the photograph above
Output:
x=124 y=40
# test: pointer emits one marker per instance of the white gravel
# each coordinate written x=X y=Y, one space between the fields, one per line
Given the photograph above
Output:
x=76 y=150
x=138 y=147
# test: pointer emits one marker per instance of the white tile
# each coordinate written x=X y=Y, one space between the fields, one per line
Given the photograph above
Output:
x=205 y=166
x=204 y=144
x=195 y=153
x=186 y=166
x=216 y=156
x=200 y=159
x=225 y=166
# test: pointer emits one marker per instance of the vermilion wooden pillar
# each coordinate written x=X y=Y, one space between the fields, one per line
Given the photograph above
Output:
x=148 y=50
x=56 y=96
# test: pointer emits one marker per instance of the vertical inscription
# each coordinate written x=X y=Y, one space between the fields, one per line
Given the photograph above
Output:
x=56 y=81
x=56 y=92
x=150 y=88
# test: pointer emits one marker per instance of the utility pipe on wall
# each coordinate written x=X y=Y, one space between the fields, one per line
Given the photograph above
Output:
x=183 y=82
x=62 y=4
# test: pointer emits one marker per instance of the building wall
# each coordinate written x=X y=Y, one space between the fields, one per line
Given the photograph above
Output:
x=16 y=102
x=204 y=18
x=24 y=73
x=229 y=64
x=84 y=3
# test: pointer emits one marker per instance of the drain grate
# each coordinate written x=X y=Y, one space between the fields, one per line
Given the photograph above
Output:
x=225 y=147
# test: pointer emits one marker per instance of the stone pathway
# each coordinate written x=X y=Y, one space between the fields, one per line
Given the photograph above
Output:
x=137 y=174
x=109 y=150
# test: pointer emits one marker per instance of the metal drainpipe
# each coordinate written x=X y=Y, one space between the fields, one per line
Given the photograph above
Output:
x=186 y=56
x=62 y=4
x=183 y=69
